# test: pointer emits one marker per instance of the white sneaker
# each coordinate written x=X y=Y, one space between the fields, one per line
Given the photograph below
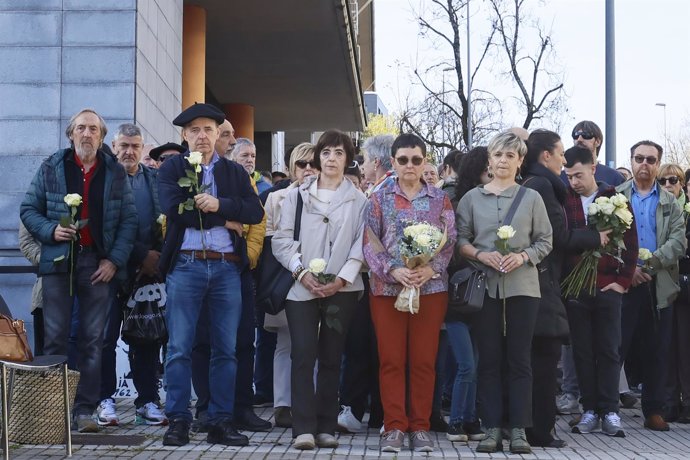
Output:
x=150 y=414
x=347 y=422
x=567 y=404
x=107 y=413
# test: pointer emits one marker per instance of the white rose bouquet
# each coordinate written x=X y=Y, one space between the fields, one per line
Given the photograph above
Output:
x=73 y=201
x=191 y=182
x=420 y=243
x=317 y=267
x=606 y=213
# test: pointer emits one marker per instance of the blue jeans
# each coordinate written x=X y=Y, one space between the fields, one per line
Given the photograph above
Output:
x=188 y=286
x=463 y=405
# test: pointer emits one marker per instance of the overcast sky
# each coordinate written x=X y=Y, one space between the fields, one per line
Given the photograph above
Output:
x=652 y=62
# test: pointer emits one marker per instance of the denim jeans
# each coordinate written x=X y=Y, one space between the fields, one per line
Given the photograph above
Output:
x=94 y=301
x=463 y=402
x=188 y=286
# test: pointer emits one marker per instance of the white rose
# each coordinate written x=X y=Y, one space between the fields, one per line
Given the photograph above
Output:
x=195 y=158
x=607 y=208
x=624 y=215
x=505 y=232
x=619 y=200
x=423 y=239
x=161 y=219
x=317 y=266
x=593 y=209
x=73 y=199
x=644 y=254
x=602 y=200
x=686 y=208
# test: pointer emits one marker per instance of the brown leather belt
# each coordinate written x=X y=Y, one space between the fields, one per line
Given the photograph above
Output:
x=212 y=255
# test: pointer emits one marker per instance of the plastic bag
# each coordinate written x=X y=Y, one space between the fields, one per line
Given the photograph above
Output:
x=145 y=313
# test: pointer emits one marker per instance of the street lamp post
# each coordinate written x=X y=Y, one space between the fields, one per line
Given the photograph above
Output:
x=663 y=104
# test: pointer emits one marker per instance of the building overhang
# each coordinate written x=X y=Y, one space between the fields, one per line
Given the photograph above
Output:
x=296 y=62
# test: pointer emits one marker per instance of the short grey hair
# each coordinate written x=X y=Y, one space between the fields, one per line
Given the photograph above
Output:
x=507 y=140
x=239 y=142
x=128 y=130
x=379 y=148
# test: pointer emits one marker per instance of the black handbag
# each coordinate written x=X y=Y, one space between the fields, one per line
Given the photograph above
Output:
x=273 y=281
x=466 y=287
x=144 y=317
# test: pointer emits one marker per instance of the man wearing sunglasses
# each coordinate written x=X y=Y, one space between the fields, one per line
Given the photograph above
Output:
x=647 y=307
x=588 y=134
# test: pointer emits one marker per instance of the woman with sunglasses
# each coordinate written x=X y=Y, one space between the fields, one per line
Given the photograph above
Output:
x=407 y=343
x=672 y=179
x=301 y=166
x=325 y=262
x=506 y=322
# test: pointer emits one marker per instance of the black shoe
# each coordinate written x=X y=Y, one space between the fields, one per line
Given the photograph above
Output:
x=438 y=424
x=456 y=433
x=553 y=444
x=247 y=420
x=684 y=416
x=262 y=401
x=177 y=434
x=628 y=400
x=200 y=424
x=282 y=416
x=474 y=430
x=225 y=433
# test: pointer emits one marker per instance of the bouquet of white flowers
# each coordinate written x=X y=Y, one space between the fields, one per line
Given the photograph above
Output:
x=604 y=214
x=420 y=243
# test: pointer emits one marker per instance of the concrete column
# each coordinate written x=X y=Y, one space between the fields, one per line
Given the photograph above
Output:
x=193 y=55
x=242 y=118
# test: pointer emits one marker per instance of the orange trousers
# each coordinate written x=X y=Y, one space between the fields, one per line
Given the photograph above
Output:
x=407 y=341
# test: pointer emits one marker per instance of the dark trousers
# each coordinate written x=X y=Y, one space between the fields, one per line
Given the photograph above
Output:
x=596 y=336
x=94 y=301
x=316 y=410
x=678 y=387
x=546 y=351
x=244 y=350
x=263 y=362
x=360 y=371
x=143 y=361
x=653 y=327
x=515 y=348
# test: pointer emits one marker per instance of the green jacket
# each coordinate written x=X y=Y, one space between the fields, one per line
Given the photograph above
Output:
x=670 y=244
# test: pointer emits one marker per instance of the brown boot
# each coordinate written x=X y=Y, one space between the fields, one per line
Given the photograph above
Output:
x=656 y=423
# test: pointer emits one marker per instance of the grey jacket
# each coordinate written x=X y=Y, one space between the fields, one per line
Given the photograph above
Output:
x=671 y=244
x=32 y=251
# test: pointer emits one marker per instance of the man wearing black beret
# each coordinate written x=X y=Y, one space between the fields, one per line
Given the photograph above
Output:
x=203 y=260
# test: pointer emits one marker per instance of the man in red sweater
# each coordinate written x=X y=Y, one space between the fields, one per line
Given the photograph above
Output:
x=595 y=321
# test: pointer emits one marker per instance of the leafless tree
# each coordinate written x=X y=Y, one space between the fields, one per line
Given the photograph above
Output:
x=441 y=117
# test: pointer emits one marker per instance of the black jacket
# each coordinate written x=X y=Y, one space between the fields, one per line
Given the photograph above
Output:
x=552 y=320
x=238 y=202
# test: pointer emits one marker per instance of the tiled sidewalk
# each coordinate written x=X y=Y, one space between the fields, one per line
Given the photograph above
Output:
x=639 y=444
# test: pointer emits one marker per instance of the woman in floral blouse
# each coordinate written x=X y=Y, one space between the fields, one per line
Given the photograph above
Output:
x=407 y=340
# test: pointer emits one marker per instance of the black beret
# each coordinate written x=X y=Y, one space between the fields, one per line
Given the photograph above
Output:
x=156 y=153
x=199 y=110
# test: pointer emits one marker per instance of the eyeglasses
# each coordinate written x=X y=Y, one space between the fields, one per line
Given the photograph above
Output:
x=586 y=135
x=301 y=164
x=673 y=180
x=639 y=159
x=403 y=160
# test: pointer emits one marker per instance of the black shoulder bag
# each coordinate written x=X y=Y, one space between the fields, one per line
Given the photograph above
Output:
x=273 y=281
x=466 y=288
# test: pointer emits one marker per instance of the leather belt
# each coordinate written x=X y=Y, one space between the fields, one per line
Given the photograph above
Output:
x=212 y=255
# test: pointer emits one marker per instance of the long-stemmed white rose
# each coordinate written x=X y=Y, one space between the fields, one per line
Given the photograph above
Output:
x=73 y=201
x=504 y=233
x=317 y=267
x=191 y=181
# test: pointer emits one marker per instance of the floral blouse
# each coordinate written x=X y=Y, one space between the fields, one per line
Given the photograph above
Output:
x=388 y=212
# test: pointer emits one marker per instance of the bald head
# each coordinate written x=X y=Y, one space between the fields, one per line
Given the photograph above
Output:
x=520 y=132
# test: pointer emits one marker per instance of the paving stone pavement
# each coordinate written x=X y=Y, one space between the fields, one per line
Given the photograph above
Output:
x=639 y=443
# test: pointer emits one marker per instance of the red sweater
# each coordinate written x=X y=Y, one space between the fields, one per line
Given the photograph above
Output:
x=609 y=269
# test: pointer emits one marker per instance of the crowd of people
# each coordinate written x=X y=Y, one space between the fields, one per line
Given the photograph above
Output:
x=364 y=338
